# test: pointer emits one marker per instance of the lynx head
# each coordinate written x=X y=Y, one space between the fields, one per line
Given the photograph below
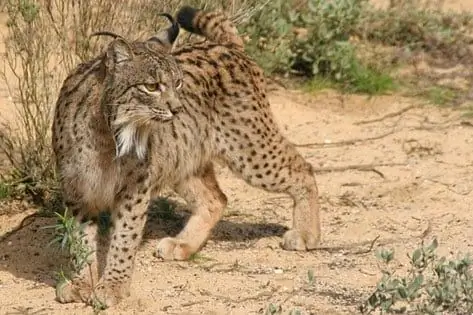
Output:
x=140 y=87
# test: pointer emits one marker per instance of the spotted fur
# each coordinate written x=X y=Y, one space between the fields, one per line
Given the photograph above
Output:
x=226 y=117
x=102 y=132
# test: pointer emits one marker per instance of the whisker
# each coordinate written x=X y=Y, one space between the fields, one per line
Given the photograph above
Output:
x=137 y=116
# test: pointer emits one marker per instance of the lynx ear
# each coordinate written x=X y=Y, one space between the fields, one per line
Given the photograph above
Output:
x=118 y=51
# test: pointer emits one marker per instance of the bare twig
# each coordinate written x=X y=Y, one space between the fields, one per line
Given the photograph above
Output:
x=20 y=226
x=344 y=142
x=333 y=249
x=21 y=310
x=449 y=187
x=187 y=304
x=359 y=167
x=274 y=84
x=427 y=231
x=241 y=300
x=246 y=12
x=435 y=127
x=369 y=249
x=454 y=164
x=390 y=115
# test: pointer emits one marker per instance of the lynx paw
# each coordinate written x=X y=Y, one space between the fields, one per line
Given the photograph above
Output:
x=108 y=294
x=73 y=291
x=170 y=248
x=299 y=241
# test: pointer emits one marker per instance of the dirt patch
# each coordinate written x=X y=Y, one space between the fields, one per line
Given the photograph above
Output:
x=416 y=180
x=242 y=270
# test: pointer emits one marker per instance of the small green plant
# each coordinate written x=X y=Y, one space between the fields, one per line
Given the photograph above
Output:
x=69 y=237
x=441 y=96
x=318 y=83
x=5 y=191
x=98 y=306
x=199 y=258
x=273 y=309
x=432 y=285
x=468 y=114
x=369 y=81
x=276 y=309
x=467 y=111
x=310 y=277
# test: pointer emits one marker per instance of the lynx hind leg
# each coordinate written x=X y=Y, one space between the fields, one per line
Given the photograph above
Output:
x=305 y=234
x=265 y=159
x=80 y=287
x=207 y=200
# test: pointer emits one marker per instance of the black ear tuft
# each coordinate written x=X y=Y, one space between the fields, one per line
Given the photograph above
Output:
x=185 y=17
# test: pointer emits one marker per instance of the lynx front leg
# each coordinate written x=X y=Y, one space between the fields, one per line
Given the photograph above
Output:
x=128 y=219
x=207 y=201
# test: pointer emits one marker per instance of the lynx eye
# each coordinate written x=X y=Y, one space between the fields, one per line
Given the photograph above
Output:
x=179 y=84
x=153 y=87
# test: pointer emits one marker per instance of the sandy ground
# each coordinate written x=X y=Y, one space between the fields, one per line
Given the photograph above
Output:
x=424 y=189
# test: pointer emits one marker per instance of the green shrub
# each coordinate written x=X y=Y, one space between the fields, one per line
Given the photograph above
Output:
x=313 y=41
x=319 y=39
x=420 y=26
x=432 y=285
x=325 y=49
x=269 y=32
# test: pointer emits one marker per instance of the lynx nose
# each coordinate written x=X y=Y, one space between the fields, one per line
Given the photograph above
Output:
x=175 y=105
x=176 y=110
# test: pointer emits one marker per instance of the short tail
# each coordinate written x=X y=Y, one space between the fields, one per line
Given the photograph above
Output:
x=214 y=26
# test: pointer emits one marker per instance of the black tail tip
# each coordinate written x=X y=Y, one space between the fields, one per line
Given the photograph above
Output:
x=185 y=17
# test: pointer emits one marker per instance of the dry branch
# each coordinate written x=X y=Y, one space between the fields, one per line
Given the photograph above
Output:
x=344 y=142
x=449 y=187
x=371 y=243
x=466 y=123
x=226 y=299
x=357 y=167
x=20 y=226
x=390 y=115
x=334 y=249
